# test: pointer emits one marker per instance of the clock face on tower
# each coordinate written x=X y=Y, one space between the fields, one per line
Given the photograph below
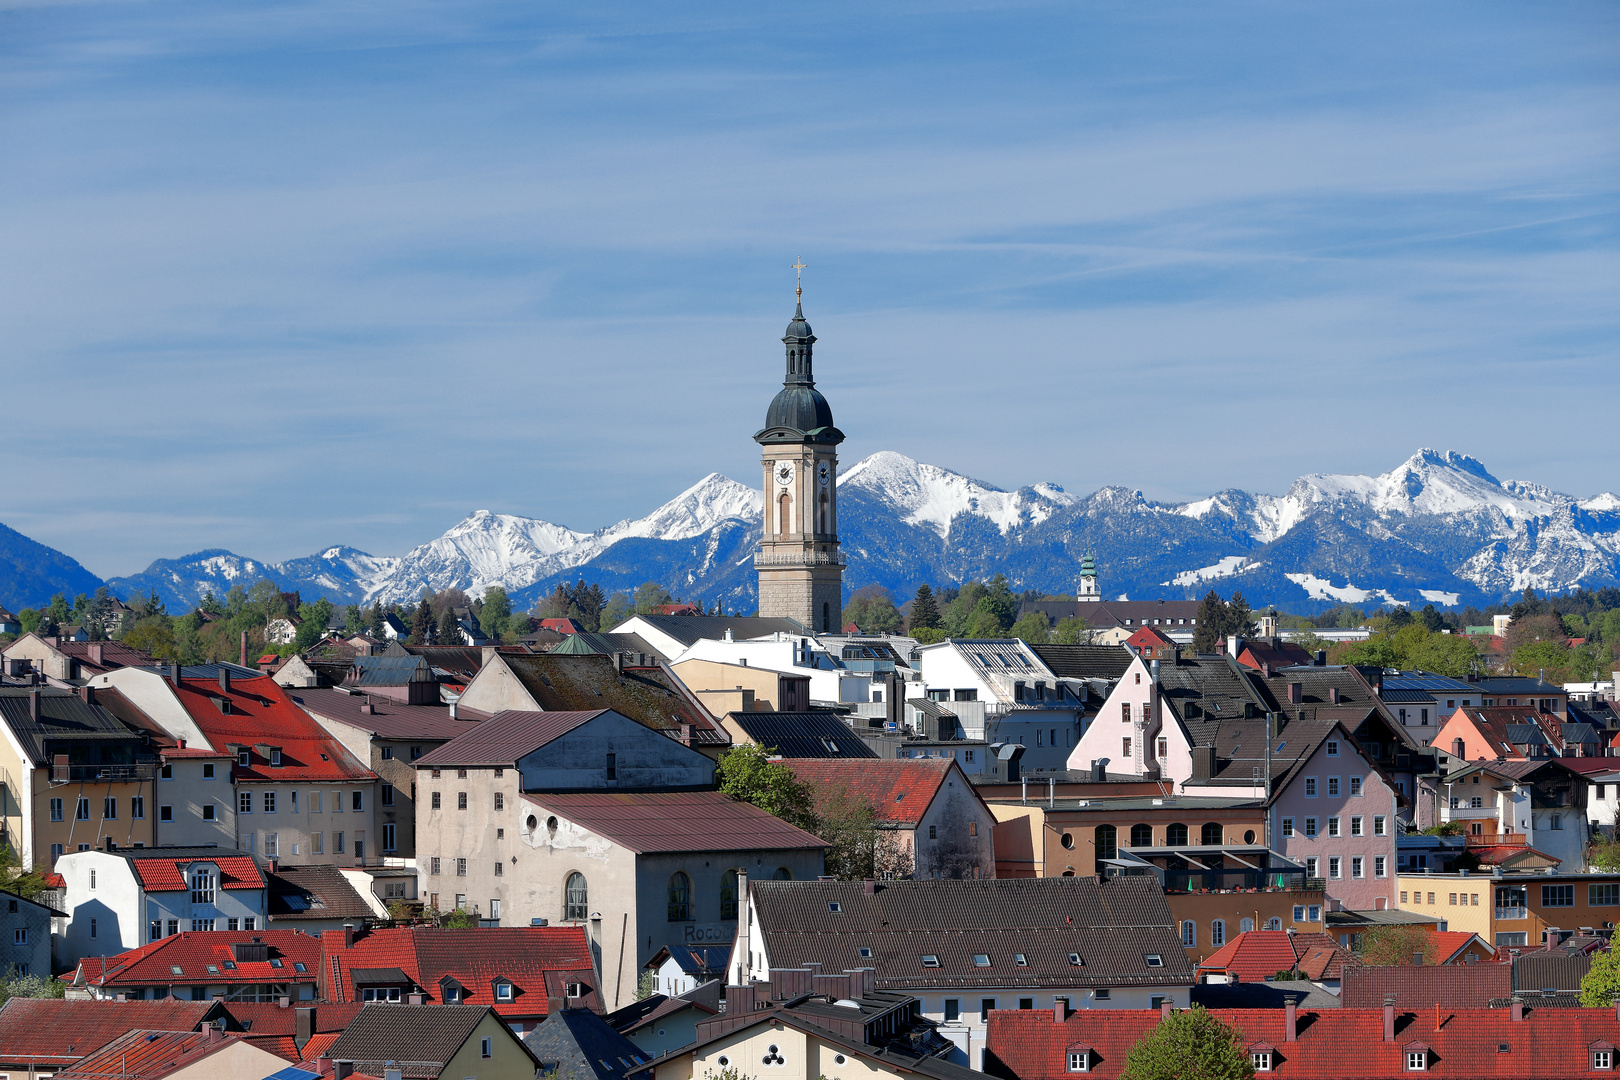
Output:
x=784 y=473
x=823 y=474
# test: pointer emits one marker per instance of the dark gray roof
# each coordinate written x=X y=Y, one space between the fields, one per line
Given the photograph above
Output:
x=420 y=1038
x=699 y=959
x=1113 y=926
x=572 y=1041
x=1549 y=971
x=314 y=892
x=1085 y=661
x=689 y=628
x=388 y=719
x=1263 y=995
x=605 y=644
x=388 y=671
x=63 y=717
x=803 y=734
x=649 y=696
x=1517 y=684
x=506 y=737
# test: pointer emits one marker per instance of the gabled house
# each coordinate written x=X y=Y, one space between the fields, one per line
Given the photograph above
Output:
x=967 y=948
x=406 y=680
x=680 y=969
x=425 y=1042
x=1151 y=644
x=301 y=796
x=798 y=734
x=1004 y=693
x=118 y=899
x=1260 y=954
x=25 y=934
x=578 y=1043
x=942 y=827
x=75 y=775
x=1267 y=654
x=525 y=973
x=1422 y=700
x=237 y=965
x=175 y=1055
x=67 y=662
x=1454 y=985
x=1516 y=732
x=660 y=1023
x=317 y=898
x=38 y=1036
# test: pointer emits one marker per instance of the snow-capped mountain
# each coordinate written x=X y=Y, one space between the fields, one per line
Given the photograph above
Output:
x=1438 y=528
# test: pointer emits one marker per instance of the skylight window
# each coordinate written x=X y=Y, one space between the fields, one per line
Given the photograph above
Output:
x=929 y=960
x=834 y=906
x=276 y=963
x=299 y=965
x=1020 y=960
x=864 y=952
x=981 y=959
x=213 y=969
x=1153 y=959
x=1074 y=960
x=230 y=965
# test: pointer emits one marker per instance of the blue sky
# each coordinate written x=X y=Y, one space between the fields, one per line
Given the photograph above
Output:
x=278 y=276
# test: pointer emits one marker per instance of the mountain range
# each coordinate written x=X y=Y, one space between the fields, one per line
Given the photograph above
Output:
x=1438 y=528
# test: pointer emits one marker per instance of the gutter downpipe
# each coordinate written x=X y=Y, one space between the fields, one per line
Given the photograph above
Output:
x=1270 y=735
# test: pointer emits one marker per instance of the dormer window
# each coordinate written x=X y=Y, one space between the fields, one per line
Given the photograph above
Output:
x=275 y=757
x=244 y=757
x=1080 y=1059
x=503 y=991
x=1417 y=1058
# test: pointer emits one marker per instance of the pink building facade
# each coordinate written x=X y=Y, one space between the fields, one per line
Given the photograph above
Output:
x=1339 y=813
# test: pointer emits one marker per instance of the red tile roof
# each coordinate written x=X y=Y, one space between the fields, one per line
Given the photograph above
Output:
x=146 y=1055
x=539 y=962
x=1284 y=654
x=54 y=1031
x=1254 y=955
x=899 y=790
x=169 y=875
x=1331 y=1044
x=269 y=1026
x=654 y=821
x=1453 y=945
x=193 y=950
x=114 y=654
x=1455 y=986
x=262 y=716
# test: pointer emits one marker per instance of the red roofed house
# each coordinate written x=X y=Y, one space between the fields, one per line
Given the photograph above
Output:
x=241 y=965
x=1331 y=1044
x=63 y=660
x=38 y=1036
x=1256 y=955
x=293 y=1032
x=595 y=819
x=301 y=797
x=1270 y=653
x=930 y=807
x=523 y=972
x=1150 y=644
x=210 y=1054
x=121 y=899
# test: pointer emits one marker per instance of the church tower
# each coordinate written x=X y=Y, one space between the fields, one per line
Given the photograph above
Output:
x=1089 y=591
x=800 y=571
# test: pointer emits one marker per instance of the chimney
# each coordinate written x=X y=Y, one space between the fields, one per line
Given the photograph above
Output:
x=1290 y=1019
x=1060 y=1011
x=869 y=887
x=303 y=1027
x=452 y=710
x=416 y=999
x=181 y=743
x=1166 y=1007
x=342 y=1069
x=618 y=661
x=1333 y=694
x=488 y=653
x=348 y=935
x=1517 y=1012
x=1233 y=645
x=1153 y=671
x=270 y=865
x=94 y=649
x=244 y=648
x=1417 y=959
x=1203 y=762
x=392 y=1074
x=215 y=1034
x=224 y=679
x=323 y=1064
x=739 y=999
x=1296 y=693
x=111 y=844
x=1321 y=658
x=366 y=708
x=1099 y=771
x=1389 y=1019
x=174 y=674
x=33 y=705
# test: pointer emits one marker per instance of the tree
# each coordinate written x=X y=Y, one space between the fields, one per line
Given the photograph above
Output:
x=376 y=620
x=31 y=986
x=649 y=597
x=958 y=613
x=422 y=623
x=316 y=617
x=857 y=849
x=616 y=610
x=746 y=774
x=459 y=919
x=265 y=602
x=928 y=635
x=1239 y=619
x=1211 y=630
x=924 y=611
x=984 y=624
x=154 y=636
x=1601 y=984
x=1395 y=945
x=449 y=629
x=1033 y=628
x=872 y=609
x=14 y=877
x=1071 y=631
x=495 y=613
x=1189 y=1045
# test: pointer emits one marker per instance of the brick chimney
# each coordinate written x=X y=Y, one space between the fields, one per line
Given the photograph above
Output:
x=1517 y=1011
x=1290 y=1019
x=1296 y=693
x=1389 y=1019
x=95 y=652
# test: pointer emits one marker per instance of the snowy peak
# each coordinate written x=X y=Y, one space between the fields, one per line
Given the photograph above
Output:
x=930 y=496
x=693 y=512
x=1431 y=482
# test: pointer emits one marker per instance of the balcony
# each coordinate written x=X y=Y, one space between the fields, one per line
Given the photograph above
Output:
x=1512 y=913
x=799 y=558
x=103 y=774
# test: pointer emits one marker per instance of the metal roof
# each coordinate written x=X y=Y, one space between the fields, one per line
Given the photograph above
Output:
x=506 y=737
x=803 y=734
x=63 y=717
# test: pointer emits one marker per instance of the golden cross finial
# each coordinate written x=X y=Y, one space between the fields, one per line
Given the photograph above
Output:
x=798 y=267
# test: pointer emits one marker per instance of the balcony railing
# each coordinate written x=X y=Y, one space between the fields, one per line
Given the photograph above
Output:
x=801 y=558
x=103 y=774
x=1512 y=913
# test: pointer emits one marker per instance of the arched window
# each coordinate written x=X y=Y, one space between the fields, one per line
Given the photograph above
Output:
x=1175 y=834
x=785 y=517
x=1457 y=748
x=1274 y=923
x=728 y=894
x=1141 y=836
x=1107 y=842
x=821 y=520
x=576 y=897
x=680 y=898
x=1217 y=932
x=1245 y=925
x=1189 y=934
x=1211 y=833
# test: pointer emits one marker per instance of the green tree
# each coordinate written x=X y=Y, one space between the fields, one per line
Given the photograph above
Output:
x=1601 y=984
x=1211 y=631
x=1071 y=631
x=1189 y=1045
x=984 y=624
x=459 y=919
x=495 y=613
x=376 y=620
x=649 y=597
x=856 y=848
x=1033 y=628
x=31 y=986
x=30 y=619
x=924 y=611
x=422 y=623
x=211 y=604
x=958 y=613
x=449 y=630
x=928 y=635
x=153 y=635
x=1395 y=945
x=615 y=611
x=1239 y=619
x=60 y=612
x=872 y=609
x=14 y=877
x=747 y=773
x=354 y=620
x=315 y=618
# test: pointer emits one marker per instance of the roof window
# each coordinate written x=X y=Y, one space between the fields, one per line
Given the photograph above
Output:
x=834 y=906
x=981 y=959
x=1153 y=959
x=929 y=960
x=299 y=965
x=230 y=965
x=213 y=969
x=1074 y=960
x=276 y=963
x=175 y=969
x=864 y=952
x=1020 y=959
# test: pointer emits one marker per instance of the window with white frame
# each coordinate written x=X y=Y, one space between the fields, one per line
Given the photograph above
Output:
x=1217 y=932
x=1288 y=826
x=1417 y=1061
x=1079 y=1060
x=1378 y=824
x=202 y=887
x=1189 y=933
x=1261 y=1060
x=1333 y=867
x=1602 y=1058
